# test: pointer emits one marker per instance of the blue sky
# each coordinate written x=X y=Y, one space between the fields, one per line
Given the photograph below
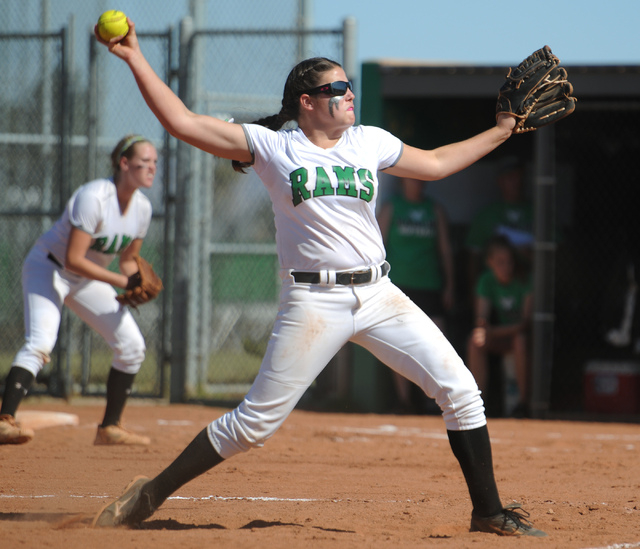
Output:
x=496 y=32
x=492 y=32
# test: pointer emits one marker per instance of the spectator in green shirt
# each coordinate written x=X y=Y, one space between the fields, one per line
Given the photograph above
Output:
x=503 y=305
x=511 y=216
x=416 y=233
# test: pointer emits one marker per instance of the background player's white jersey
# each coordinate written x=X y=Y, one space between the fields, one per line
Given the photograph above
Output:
x=324 y=200
x=94 y=209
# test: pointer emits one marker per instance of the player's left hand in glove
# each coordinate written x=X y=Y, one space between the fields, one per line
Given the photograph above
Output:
x=143 y=286
x=536 y=92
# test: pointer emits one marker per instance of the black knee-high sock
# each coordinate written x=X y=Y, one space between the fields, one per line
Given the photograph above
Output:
x=16 y=387
x=197 y=458
x=473 y=450
x=118 y=390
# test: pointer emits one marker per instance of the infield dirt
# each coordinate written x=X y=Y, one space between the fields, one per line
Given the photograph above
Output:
x=324 y=480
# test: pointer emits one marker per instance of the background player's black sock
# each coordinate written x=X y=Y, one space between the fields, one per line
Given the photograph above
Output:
x=118 y=390
x=473 y=450
x=16 y=386
x=195 y=459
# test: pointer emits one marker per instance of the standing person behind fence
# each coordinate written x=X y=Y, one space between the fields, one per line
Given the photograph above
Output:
x=67 y=266
x=503 y=307
x=322 y=180
x=415 y=230
x=511 y=216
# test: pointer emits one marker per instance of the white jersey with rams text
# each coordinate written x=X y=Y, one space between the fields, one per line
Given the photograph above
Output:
x=94 y=209
x=324 y=200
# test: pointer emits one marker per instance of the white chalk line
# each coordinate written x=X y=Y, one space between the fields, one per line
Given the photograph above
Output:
x=417 y=432
x=393 y=430
x=619 y=546
x=220 y=498
x=389 y=429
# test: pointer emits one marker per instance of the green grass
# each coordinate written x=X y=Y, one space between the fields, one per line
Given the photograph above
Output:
x=225 y=367
x=233 y=367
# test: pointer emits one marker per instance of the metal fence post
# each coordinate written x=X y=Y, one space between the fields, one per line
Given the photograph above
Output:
x=543 y=270
x=180 y=308
x=168 y=162
x=350 y=57
x=201 y=166
x=304 y=24
x=65 y=386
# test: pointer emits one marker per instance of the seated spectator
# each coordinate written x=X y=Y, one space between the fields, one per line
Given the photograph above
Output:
x=511 y=216
x=503 y=305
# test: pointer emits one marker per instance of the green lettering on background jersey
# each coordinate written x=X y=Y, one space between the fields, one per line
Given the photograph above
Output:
x=102 y=244
x=298 y=180
x=366 y=179
x=346 y=181
x=323 y=184
x=126 y=240
x=113 y=248
x=98 y=245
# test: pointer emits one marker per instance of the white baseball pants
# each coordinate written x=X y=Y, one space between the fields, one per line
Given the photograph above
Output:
x=313 y=323
x=46 y=288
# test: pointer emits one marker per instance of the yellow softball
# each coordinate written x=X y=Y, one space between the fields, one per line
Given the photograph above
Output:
x=112 y=23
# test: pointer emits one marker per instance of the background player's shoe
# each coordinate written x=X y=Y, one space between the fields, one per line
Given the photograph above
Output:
x=117 y=434
x=509 y=522
x=12 y=433
x=130 y=509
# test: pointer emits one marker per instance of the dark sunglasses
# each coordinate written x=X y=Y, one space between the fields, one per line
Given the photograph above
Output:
x=333 y=89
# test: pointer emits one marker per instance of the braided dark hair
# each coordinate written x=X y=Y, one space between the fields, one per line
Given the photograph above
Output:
x=304 y=76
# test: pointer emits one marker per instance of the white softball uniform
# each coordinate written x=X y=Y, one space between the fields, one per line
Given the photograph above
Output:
x=47 y=286
x=324 y=203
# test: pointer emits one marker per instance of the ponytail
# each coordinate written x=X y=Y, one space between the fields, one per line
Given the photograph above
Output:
x=304 y=76
x=273 y=122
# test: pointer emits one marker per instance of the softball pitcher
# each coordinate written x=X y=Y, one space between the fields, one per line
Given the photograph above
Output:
x=322 y=180
x=68 y=266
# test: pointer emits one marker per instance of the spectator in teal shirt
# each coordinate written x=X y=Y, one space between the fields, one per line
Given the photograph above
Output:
x=503 y=305
x=511 y=216
x=416 y=234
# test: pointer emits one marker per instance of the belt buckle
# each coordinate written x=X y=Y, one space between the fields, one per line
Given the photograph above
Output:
x=357 y=273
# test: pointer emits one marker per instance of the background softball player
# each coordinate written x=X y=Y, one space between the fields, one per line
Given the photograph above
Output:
x=68 y=266
x=322 y=180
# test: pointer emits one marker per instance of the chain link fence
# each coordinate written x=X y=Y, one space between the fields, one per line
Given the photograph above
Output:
x=58 y=127
x=32 y=166
x=228 y=326
x=66 y=103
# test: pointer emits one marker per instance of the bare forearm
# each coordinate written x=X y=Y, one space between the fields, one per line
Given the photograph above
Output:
x=205 y=132
x=210 y=134
x=166 y=105
x=455 y=157
x=449 y=159
x=89 y=269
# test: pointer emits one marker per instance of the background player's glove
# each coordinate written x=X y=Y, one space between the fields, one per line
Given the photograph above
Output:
x=536 y=92
x=143 y=286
